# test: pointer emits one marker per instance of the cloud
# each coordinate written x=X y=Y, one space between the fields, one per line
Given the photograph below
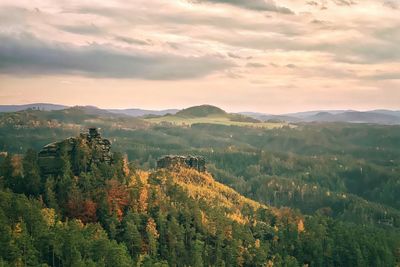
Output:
x=384 y=76
x=323 y=4
x=132 y=41
x=255 y=65
x=81 y=29
x=344 y=2
x=312 y=3
x=370 y=52
x=11 y=16
x=257 y=5
x=391 y=4
x=233 y=55
x=372 y=46
x=291 y=66
x=172 y=18
x=26 y=55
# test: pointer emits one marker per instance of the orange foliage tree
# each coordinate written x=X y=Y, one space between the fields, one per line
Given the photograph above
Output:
x=117 y=197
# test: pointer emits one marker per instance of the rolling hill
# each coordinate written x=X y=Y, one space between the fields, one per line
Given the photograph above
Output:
x=135 y=112
x=207 y=114
x=355 y=117
x=387 y=117
x=201 y=111
x=38 y=106
x=213 y=114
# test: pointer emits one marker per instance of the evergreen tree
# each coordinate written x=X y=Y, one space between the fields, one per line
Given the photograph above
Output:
x=31 y=181
x=49 y=193
x=6 y=172
x=197 y=258
x=132 y=239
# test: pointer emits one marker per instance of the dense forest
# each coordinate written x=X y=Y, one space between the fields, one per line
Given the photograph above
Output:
x=306 y=194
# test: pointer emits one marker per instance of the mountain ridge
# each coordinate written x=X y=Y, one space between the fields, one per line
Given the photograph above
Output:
x=377 y=116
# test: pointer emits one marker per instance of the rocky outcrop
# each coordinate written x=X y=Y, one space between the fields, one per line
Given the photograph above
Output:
x=82 y=151
x=195 y=162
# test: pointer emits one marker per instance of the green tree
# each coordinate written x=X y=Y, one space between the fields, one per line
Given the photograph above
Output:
x=198 y=253
x=6 y=172
x=49 y=193
x=31 y=181
x=132 y=238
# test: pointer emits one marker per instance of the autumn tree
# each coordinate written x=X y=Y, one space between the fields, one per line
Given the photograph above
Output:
x=152 y=236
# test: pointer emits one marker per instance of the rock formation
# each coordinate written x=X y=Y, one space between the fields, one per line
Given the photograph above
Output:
x=171 y=161
x=82 y=151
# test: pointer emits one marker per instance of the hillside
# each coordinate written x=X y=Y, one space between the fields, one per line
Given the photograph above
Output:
x=179 y=217
x=207 y=114
x=328 y=156
x=201 y=111
x=114 y=214
x=338 y=178
x=72 y=118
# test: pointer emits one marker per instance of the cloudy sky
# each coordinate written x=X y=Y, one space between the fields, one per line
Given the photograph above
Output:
x=242 y=55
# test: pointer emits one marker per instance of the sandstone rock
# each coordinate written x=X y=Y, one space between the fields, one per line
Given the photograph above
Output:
x=171 y=161
x=82 y=151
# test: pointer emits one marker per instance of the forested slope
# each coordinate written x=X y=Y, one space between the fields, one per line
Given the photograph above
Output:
x=340 y=182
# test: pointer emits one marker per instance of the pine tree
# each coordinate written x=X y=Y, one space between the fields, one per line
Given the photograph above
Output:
x=197 y=258
x=64 y=180
x=49 y=193
x=6 y=172
x=31 y=181
x=132 y=238
x=28 y=254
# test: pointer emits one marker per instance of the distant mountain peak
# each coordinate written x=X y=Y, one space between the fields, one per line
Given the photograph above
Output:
x=201 y=111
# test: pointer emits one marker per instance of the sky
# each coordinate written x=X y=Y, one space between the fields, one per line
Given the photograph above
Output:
x=241 y=55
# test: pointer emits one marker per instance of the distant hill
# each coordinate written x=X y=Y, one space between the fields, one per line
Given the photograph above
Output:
x=92 y=110
x=355 y=117
x=38 y=106
x=387 y=112
x=196 y=113
x=375 y=116
x=207 y=114
x=200 y=111
x=270 y=117
x=135 y=112
x=74 y=117
x=307 y=114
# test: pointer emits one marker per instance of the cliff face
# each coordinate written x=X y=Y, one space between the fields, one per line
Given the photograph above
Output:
x=82 y=151
x=170 y=162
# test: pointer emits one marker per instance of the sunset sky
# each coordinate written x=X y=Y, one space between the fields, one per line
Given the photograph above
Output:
x=242 y=55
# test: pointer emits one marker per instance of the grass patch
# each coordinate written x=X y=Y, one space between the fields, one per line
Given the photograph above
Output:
x=212 y=119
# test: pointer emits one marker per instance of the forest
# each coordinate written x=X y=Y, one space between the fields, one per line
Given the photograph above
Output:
x=308 y=194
